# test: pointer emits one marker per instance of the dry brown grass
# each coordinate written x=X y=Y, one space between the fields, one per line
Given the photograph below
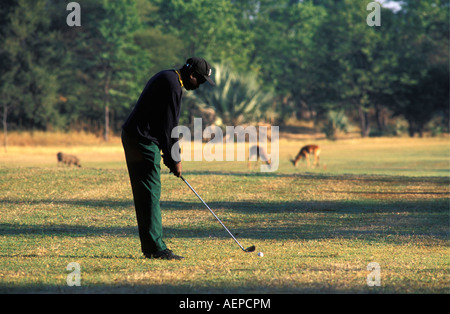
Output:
x=41 y=138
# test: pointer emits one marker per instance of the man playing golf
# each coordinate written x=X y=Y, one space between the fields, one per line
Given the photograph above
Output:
x=146 y=133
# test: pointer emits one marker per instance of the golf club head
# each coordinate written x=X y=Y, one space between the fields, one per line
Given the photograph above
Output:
x=250 y=249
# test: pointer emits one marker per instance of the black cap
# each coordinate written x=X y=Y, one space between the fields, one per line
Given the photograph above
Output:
x=200 y=66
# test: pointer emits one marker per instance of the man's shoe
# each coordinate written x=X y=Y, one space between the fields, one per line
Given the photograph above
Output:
x=166 y=255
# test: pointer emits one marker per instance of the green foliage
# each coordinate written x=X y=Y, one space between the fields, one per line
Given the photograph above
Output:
x=28 y=83
x=308 y=54
x=236 y=98
x=335 y=121
x=207 y=29
x=421 y=90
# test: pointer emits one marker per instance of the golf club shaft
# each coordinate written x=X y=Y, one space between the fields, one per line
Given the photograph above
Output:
x=212 y=213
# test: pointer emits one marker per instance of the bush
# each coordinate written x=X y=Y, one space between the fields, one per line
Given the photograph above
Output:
x=335 y=121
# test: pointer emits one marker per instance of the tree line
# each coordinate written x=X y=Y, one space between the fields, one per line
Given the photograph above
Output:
x=274 y=60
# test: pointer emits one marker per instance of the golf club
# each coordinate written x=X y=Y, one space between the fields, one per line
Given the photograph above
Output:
x=249 y=249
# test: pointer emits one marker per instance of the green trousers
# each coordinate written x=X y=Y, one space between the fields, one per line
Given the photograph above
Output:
x=143 y=163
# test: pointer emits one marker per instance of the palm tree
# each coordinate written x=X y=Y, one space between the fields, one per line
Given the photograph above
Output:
x=236 y=98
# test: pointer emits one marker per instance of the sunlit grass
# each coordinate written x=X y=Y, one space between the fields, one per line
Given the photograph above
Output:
x=318 y=228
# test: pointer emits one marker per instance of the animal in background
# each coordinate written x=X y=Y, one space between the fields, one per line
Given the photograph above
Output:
x=68 y=159
x=259 y=152
x=305 y=152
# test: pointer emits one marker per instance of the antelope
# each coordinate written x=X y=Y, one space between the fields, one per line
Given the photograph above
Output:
x=259 y=152
x=305 y=153
x=68 y=159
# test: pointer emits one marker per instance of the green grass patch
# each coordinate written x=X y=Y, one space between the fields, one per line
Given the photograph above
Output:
x=318 y=229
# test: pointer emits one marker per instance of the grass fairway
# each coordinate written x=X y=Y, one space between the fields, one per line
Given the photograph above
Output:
x=377 y=200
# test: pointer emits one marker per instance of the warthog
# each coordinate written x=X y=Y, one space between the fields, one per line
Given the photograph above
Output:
x=68 y=159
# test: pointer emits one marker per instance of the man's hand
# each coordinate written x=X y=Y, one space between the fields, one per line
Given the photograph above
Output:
x=177 y=170
x=174 y=167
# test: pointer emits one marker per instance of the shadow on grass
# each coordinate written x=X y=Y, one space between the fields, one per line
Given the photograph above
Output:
x=343 y=206
x=370 y=221
x=262 y=220
x=306 y=174
x=184 y=290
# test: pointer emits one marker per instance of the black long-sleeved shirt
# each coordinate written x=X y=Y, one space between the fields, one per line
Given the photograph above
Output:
x=157 y=112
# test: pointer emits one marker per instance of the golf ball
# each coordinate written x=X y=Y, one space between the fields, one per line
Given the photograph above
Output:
x=260 y=254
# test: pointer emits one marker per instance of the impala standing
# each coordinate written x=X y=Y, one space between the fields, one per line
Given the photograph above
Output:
x=260 y=153
x=305 y=153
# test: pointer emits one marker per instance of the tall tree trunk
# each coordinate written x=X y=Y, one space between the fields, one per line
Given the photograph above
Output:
x=5 y=127
x=365 y=124
x=106 y=99
x=380 y=114
x=106 y=135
